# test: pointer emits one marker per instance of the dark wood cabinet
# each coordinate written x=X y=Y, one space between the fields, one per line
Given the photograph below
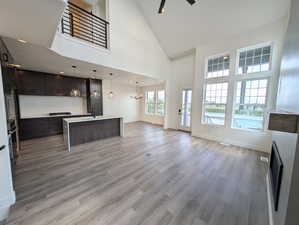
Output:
x=55 y=126
x=95 y=97
x=38 y=83
x=42 y=127
x=55 y=85
x=30 y=83
x=33 y=128
x=72 y=83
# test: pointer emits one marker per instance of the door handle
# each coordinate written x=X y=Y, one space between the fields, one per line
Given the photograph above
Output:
x=2 y=147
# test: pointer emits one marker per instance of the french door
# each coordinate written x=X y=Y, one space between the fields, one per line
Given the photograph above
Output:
x=185 y=110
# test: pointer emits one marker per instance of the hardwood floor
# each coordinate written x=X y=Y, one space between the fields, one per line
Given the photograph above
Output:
x=149 y=177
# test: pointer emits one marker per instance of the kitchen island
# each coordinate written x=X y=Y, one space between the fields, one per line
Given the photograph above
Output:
x=82 y=130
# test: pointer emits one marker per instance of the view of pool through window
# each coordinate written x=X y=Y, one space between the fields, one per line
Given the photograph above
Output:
x=250 y=104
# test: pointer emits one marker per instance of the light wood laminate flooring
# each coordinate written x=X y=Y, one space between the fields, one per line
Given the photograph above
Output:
x=149 y=177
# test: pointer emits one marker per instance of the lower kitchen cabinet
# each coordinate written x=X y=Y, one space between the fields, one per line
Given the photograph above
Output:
x=42 y=127
x=33 y=128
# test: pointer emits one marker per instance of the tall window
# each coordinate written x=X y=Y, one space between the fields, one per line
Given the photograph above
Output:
x=247 y=88
x=216 y=90
x=250 y=101
x=155 y=102
x=215 y=103
x=161 y=102
x=150 y=102
x=250 y=104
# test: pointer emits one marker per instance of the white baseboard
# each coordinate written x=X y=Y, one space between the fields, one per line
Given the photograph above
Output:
x=270 y=207
x=230 y=141
x=5 y=204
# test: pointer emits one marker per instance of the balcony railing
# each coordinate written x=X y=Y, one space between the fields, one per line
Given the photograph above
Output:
x=80 y=23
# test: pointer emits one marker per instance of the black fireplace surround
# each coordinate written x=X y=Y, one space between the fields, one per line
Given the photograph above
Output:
x=276 y=167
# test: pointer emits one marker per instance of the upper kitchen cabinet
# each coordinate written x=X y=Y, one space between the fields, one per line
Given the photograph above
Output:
x=55 y=85
x=75 y=87
x=30 y=83
x=38 y=83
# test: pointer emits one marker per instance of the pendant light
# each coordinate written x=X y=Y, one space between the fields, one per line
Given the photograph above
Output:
x=111 y=94
x=75 y=92
x=95 y=93
x=137 y=97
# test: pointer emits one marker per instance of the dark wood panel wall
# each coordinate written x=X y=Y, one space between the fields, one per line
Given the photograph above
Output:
x=95 y=97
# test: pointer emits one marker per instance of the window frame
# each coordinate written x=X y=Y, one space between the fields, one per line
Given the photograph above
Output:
x=253 y=76
x=164 y=102
x=251 y=47
x=146 y=102
x=232 y=79
x=268 y=78
x=204 y=104
x=155 y=103
x=214 y=80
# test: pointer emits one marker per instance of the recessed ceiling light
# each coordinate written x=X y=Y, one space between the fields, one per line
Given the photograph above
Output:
x=14 y=65
x=22 y=41
x=61 y=72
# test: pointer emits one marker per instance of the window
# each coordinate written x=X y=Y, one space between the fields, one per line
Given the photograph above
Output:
x=218 y=66
x=254 y=60
x=215 y=103
x=216 y=90
x=161 y=102
x=150 y=102
x=155 y=102
x=250 y=104
x=248 y=100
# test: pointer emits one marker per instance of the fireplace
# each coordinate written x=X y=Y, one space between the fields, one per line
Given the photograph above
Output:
x=275 y=172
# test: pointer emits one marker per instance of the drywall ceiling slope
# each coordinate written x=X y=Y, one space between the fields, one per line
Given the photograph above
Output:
x=183 y=27
x=35 y=21
x=38 y=58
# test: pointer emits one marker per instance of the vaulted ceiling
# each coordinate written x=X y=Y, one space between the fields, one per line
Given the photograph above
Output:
x=183 y=27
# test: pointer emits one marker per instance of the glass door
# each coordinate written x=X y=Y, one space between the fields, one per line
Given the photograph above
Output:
x=185 y=110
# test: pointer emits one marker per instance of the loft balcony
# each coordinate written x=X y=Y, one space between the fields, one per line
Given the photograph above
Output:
x=83 y=24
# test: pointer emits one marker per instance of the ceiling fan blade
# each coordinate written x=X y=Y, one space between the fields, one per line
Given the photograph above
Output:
x=191 y=2
x=161 y=6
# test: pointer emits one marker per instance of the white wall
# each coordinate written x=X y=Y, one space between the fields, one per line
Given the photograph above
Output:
x=7 y=195
x=133 y=46
x=251 y=139
x=35 y=106
x=182 y=73
x=121 y=104
x=154 y=119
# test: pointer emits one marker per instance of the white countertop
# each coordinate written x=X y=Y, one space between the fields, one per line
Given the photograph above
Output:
x=90 y=118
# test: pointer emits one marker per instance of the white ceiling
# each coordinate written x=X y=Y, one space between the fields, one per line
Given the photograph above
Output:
x=37 y=58
x=39 y=19
x=183 y=27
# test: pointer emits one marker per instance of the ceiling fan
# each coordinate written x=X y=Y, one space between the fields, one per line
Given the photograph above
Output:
x=161 y=9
